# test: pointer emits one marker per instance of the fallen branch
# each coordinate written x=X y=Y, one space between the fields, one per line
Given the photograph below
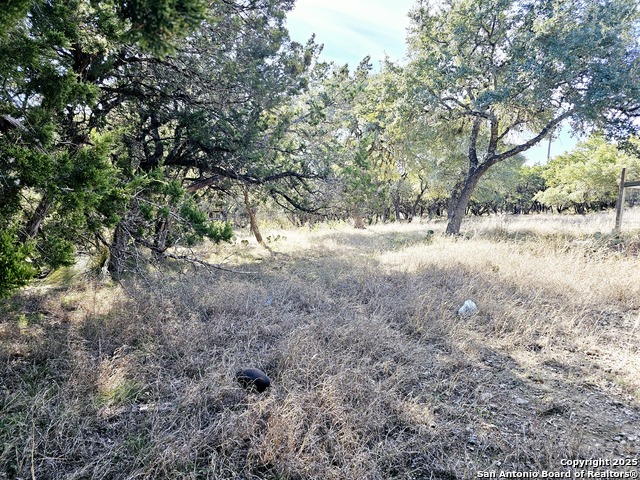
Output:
x=203 y=263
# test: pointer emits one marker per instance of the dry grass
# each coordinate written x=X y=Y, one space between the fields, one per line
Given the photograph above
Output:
x=374 y=374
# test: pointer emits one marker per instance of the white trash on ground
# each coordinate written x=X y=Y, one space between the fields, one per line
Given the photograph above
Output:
x=468 y=309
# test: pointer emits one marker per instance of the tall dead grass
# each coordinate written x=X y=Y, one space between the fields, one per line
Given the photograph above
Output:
x=374 y=374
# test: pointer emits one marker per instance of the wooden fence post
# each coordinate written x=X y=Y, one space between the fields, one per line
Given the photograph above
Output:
x=620 y=203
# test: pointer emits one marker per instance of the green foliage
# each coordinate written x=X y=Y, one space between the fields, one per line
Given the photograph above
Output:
x=530 y=181
x=76 y=189
x=12 y=11
x=202 y=227
x=162 y=215
x=99 y=127
x=155 y=24
x=587 y=178
x=60 y=187
x=15 y=267
x=143 y=117
x=57 y=251
x=495 y=190
x=357 y=113
x=491 y=69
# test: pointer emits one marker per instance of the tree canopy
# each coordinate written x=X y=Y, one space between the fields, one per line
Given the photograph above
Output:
x=509 y=72
x=111 y=116
x=132 y=124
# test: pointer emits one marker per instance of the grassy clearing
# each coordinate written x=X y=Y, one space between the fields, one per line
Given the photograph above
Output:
x=374 y=374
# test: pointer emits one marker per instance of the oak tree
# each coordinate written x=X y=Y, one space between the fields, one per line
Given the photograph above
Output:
x=509 y=72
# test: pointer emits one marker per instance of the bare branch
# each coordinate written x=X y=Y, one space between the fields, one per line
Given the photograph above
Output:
x=208 y=265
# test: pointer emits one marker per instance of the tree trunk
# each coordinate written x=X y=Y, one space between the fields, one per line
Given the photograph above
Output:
x=396 y=206
x=252 y=217
x=32 y=227
x=460 y=200
x=117 y=252
x=160 y=238
x=385 y=214
x=414 y=207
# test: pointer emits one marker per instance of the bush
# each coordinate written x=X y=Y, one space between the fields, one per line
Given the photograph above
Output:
x=15 y=267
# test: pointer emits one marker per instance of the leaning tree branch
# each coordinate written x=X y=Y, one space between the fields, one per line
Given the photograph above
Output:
x=525 y=146
x=275 y=192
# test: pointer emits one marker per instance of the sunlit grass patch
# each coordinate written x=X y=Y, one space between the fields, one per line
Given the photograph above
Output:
x=61 y=277
x=119 y=392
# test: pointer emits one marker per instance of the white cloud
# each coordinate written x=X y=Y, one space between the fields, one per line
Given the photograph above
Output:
x=352 y=29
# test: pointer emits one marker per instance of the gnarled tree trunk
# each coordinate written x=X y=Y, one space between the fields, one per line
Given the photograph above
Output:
x=32 y=227
x=160 y=238
x=460 y=200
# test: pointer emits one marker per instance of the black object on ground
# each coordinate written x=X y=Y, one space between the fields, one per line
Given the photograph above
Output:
x=253 y=379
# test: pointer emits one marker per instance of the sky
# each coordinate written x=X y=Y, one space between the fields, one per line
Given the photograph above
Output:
x=353 y=29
